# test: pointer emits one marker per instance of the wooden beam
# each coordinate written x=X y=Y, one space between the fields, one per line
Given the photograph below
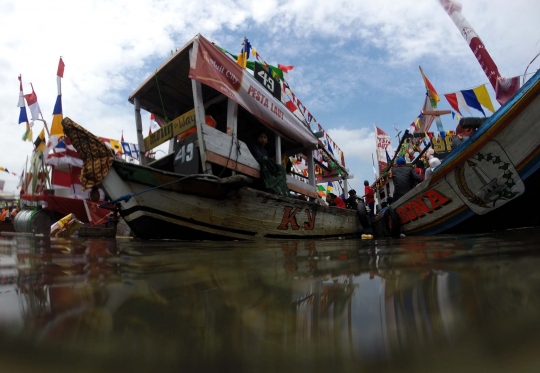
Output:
x=200 y=122
x=232 y=123
x=140 y=138
x=311 y=168
x=436 y=112
x=278 y=148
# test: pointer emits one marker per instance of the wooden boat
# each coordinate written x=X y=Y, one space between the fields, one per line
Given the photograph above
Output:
x=489 y=183
x=209 y=185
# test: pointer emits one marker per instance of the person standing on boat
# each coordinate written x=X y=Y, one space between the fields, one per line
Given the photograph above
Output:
x=257 y=148
x=462 y=134
x=404 y=178
x=434 y=162
x=352 y=203
x=369 y=196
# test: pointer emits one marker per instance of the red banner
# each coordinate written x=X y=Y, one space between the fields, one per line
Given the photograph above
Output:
x=212 y=67
x=484 y=59
x=383 y=140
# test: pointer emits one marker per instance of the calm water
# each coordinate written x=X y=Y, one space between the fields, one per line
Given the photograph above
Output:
x=436 y=304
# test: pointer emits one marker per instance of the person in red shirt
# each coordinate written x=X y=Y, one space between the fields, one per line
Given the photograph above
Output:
x=370 y=198
x=335 y=201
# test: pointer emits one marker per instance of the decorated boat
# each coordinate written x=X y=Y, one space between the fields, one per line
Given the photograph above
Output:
x=489 y=182
x=49 y=182
x=209 y=185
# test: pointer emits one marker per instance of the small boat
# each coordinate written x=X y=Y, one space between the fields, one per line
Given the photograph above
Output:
x=209 y=186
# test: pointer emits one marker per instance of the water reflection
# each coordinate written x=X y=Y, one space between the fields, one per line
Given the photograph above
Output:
x=131 y=306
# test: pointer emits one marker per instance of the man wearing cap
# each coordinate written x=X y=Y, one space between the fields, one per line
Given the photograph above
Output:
x=404 y=178
x=369 y=196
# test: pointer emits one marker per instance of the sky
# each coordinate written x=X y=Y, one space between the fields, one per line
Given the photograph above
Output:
x=355 y=62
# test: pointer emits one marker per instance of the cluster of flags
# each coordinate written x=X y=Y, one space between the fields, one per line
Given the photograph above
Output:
x=470 y=98
x=331 y=146
x=6 y=170
x=289 y=99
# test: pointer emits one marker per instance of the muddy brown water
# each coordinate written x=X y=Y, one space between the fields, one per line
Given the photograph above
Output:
x=433 y=304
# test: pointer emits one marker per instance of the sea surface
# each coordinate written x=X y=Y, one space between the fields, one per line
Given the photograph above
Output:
x=427 y=304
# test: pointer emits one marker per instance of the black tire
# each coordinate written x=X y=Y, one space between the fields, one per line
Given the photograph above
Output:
x=363 y=215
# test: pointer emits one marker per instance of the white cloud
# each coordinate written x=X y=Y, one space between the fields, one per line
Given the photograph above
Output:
x=344 y=53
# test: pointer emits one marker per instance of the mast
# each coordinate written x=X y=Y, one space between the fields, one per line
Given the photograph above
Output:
x=433 y=99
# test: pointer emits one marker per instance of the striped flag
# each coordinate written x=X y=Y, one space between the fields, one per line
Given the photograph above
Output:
x=57 y=131
x=321 y=191
x=31 y=101
x=432 y=93
x=329 y=187
x=23 y=117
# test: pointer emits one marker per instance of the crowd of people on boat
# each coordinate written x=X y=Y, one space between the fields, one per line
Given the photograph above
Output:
x=405 y=176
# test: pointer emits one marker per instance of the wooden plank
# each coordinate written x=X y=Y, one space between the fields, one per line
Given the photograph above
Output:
x=223 y=145
x=301 y=187
x=233 y=165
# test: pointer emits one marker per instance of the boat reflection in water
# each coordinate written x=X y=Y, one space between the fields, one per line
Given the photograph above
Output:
x=410 y=304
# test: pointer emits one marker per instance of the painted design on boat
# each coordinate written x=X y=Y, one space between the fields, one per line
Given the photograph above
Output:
x=487 y=180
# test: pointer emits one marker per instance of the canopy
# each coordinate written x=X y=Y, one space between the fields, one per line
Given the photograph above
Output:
x=169 y=91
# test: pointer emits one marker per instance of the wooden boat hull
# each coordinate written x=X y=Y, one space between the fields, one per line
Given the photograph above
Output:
x=201 y=209
x=6 y=226
x=488 y=183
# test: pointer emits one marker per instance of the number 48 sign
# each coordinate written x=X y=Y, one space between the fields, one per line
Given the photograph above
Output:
x=267 y=81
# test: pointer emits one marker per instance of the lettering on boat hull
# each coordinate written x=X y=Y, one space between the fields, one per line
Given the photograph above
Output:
x=289 y=218
x=419 y=207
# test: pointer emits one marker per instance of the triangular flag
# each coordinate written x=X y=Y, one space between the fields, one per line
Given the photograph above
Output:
x=483 y=97
x=471 y=100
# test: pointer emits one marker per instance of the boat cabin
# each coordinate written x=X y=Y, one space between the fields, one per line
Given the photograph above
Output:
x=211 y=110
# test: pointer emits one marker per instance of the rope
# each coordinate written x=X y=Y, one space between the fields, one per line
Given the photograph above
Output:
x=127 y=197
x=230 y=153
x=161 y=99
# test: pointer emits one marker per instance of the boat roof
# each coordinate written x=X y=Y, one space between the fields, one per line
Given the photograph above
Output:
x=174 y=93
x=169 y=93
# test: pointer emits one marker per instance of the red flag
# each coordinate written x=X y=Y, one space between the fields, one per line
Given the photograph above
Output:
x=291 y=106
x=60 y=71
x=123 y=136
x=285 y=68
x=453 y=101
x=506 y=88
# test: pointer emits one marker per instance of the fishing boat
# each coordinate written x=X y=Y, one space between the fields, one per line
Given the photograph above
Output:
x=489 y=182
x=210 y=186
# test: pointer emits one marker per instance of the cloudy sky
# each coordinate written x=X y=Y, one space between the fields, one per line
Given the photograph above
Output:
x=355 y=62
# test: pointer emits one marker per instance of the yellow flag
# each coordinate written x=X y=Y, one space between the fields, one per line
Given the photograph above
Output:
x=116 y=146
x=483 y=97
x=56 y=127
